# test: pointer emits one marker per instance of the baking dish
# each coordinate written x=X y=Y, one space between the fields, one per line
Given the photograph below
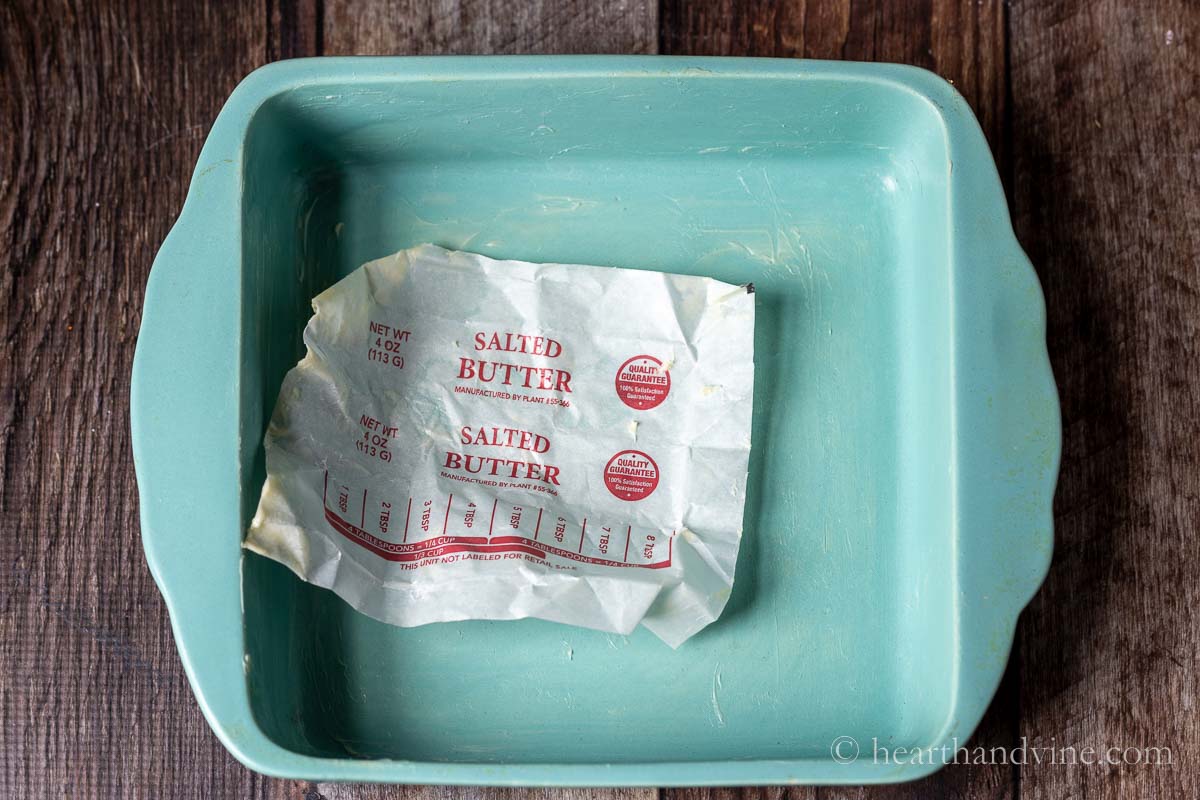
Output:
x=905 y=444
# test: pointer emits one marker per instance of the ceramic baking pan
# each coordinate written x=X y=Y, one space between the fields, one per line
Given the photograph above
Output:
x=905 y=442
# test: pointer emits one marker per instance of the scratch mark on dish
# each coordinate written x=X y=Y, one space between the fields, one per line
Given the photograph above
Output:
x=718 y=715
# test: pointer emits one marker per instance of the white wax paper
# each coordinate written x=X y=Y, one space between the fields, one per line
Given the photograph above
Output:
x=478 y=439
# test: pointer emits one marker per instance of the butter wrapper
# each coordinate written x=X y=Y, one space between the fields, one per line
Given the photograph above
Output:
x=469 y=438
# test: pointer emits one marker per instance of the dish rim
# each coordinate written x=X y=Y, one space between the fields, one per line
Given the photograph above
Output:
x=215 y=668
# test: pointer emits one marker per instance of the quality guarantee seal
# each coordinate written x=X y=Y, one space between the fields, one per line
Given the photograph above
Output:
x=631 y=475
x=643 y=383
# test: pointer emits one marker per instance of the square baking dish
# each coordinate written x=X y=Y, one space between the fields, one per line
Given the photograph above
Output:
x=905 y=442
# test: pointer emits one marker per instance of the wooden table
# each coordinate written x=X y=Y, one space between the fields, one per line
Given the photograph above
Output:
x=1092 y=110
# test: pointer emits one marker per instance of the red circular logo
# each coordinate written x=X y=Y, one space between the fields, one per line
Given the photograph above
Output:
x=643 y=383
x=631 y=475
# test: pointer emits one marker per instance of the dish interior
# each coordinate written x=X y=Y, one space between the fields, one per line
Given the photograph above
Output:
x=831 y=197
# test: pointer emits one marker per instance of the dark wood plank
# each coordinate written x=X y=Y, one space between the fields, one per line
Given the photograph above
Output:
x=295 y=28
x=442 y=27
x=360 y=792
x=103 y=110
x=965 y=43
x=1104 y=144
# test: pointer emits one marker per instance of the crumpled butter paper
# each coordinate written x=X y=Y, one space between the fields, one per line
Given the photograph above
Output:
x=477 y=439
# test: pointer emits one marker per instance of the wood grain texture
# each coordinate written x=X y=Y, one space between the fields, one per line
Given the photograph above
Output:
x=327 y=791
x=1092 y=110
x=1106 y=159
x=444 y=27
x=104 y=110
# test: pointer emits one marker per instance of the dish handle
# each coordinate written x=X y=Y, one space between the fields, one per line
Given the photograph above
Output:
x=1009 y=445
x=184 y=407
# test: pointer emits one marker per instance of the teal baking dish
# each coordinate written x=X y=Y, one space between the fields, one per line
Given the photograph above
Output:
x=905 y=445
